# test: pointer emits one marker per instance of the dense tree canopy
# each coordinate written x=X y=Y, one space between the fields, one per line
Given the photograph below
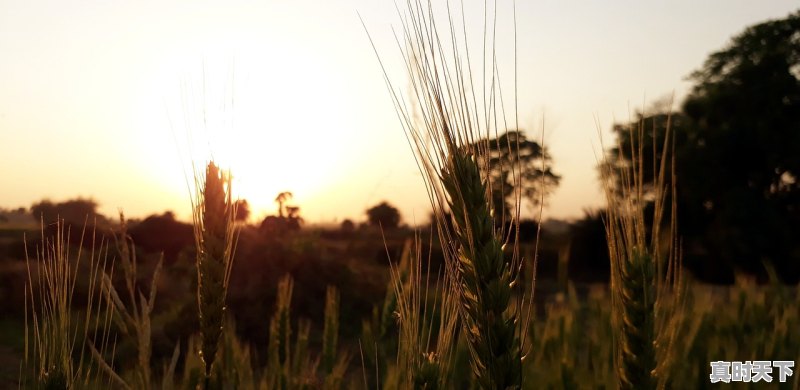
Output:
x=737 y=154
x=384 y=215
x=242 y=208
x=74 y=211
x=162 y=233
x=515 y=161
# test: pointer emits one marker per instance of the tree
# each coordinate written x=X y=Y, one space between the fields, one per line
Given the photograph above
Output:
x=745 y=112
x=162 y=233
x=288 y=218
x=242 y=210
x=281 y=199
x=511 y=155
x=588 y=258
x=736 y=146
x=293 y=218
x=347 y=226
x=384 y=215
x=74 y=211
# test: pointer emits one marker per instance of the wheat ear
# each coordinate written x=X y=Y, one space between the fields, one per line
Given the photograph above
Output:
x=215 y=244
x=486 y=279
x=448 y=132
x=637 y=360
x=647 y=287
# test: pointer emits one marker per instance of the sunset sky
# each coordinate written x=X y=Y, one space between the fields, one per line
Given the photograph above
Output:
x=105 y=99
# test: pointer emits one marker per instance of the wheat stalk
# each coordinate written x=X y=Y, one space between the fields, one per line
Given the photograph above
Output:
x=330 y=331
x=277 y=375
x=215 y=239
x=334 y=364
x=636 y=295
x=487 y=279
x=448 y=133
x=646 y=278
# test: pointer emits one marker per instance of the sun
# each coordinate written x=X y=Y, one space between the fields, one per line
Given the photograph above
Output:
x=276 y=125
x=265 y=162
x=271 y=132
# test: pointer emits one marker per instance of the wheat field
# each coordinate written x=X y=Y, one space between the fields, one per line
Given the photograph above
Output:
x=456 y=307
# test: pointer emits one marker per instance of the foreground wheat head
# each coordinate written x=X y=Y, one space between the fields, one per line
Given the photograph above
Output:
x=215 y=239
x=448 y=133
x=647 y=288
x=487 y=278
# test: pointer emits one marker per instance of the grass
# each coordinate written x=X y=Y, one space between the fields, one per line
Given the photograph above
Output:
x=54 y=336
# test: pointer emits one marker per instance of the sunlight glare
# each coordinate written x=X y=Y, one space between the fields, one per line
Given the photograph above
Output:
x=256 y=121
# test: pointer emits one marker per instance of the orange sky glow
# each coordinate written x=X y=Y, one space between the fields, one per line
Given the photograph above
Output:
x=111 y=99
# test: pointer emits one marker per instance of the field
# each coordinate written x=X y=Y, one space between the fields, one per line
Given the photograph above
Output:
x=684 y=279
x=571 y=337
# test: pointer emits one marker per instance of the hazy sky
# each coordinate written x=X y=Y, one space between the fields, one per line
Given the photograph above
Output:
x=96 y=96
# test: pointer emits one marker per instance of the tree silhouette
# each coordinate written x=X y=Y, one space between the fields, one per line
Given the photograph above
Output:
x=163 y=233
x=588 y=254
x=347 y=226
x=745 y=111
x=242 y=210
x=512 y=154
x=737 y=155
x=293 y=218
x=288 y=218
x=281 y=199
x=384 y=215
x=74 y=211
x=650 y=132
